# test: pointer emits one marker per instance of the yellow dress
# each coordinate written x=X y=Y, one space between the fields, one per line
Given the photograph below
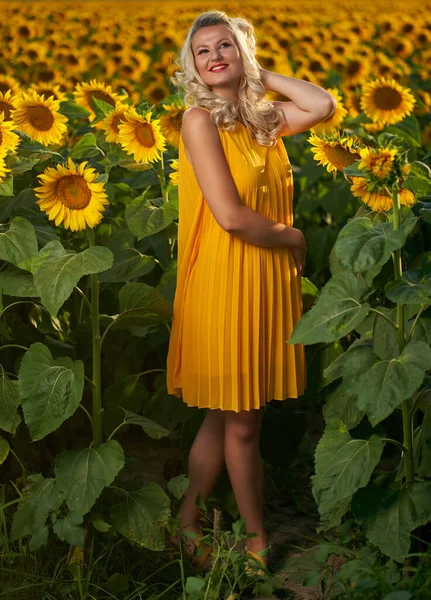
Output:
x=235 y=303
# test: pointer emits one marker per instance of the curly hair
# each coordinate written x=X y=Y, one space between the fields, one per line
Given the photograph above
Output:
x=264 y=120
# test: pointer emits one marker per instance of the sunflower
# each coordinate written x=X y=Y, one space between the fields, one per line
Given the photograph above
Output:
x=8 y=140
x=6 y=104
x=141 y=136
x=49 y=90
x=3 y=169
x=7 y=82
x=386 y=102
x=156 y=92
x=72 y=196
x=377 y=160
x=336 y=153
x=110 y=123
x=39 y=118
x=175 y=175
x=379 y=201
x=85 y=92
x=171 y=123
x=336 y=119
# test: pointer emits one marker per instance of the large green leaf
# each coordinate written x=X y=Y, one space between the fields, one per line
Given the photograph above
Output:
x=341 y=404
x=82 y=474
x=145 y=219
x=86 y=147
x=9 y=402
x=419 y=179
x=338 y=310
x=129 y=263
x=142 y=516
x=361 y=244
x=69 y=528
x=18 y=244
x=412 y=288
x=57 y=271
x=16 y=282
x=343 y=465
x=141 y=305
x=391 y=381
x=42 y=498
x=50 y=390
x=388 y=517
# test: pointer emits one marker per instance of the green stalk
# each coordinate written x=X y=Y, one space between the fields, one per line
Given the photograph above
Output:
x=163 y=185
x=97 y=392
x=401 y=320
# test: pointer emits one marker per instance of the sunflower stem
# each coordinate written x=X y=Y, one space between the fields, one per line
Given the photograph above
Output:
x=96 y=390
x=407 y=404
x=163 y=185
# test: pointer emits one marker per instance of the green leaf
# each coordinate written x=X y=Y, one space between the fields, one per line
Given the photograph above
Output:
x=419 y=179
x=398 y=596
x=388 y=517
x=117 y=583
x=82 y=474
x=86 y=147
x=152 y=429
x=141 y=305
x=308 y=287
x=343 y=465
x=21 y=164
x=362 y=245
x=391 y=381
x=18 y=244
x=337 y=311
x=145 y=219
x=129 y=263
x=68 y=529
x=27 y=145
x=50 y=390
x=16 y=282
x=6 y=186
x=142 y=516
x=412 y=288
x=9 y=402
x=178 y=485
x=4 y=449
x=71 y=110
x=57 y=271
x=341 y=404
x=42 y=498
x=194 y=585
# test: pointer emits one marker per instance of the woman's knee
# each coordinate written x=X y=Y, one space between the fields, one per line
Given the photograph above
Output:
x=243 y=426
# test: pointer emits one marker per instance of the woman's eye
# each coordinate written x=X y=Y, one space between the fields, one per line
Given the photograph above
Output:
x=223 y=44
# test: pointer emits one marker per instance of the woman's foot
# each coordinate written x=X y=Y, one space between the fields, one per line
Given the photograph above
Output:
x=256 y=544
x=201 y=553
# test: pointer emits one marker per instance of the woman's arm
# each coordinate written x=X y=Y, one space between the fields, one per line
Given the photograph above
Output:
x=309 y=103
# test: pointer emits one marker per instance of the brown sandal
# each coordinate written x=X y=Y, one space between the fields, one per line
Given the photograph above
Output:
x=200 y=552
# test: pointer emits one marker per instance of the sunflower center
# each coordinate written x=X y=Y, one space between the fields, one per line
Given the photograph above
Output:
x=73 y=192
x=145 y=136
x=6 y=108
x=387 y=98
x=340 y=157
x=101 y=96
x=353 y=68
x=40 y=117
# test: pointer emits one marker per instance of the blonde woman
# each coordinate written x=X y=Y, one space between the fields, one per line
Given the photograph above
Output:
x=240 y=261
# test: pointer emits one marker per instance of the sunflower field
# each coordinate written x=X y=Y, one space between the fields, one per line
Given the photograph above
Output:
x=92 y=448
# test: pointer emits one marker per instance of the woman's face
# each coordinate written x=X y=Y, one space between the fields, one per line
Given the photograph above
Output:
x=214 y=45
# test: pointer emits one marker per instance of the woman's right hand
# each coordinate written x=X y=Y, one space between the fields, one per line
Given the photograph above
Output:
x=299 y=251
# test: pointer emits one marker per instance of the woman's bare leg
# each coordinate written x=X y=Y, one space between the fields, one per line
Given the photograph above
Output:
x=244 y=465
x=206 y=460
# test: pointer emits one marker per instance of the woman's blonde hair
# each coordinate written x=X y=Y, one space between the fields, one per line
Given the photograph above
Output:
x=256 y=112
